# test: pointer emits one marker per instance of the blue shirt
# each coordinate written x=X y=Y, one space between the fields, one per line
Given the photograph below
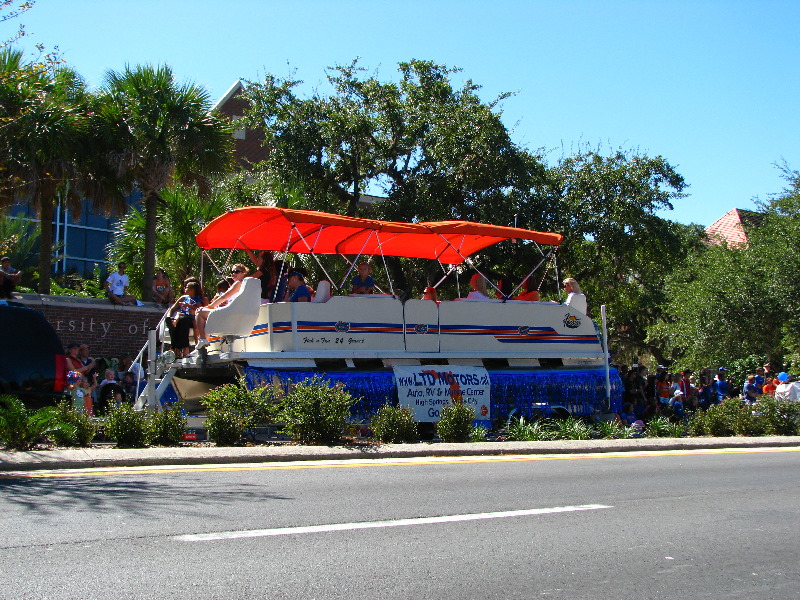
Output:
x=357 y=282
x=721 y=388
x=302 y=291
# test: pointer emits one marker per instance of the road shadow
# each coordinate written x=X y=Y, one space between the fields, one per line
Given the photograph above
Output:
x=131 y=494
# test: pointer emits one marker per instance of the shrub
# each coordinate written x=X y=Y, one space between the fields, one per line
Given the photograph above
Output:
x=455 y=423
x=744 y=422
x=478 y=433
x=233 y=411
x=168 y=425
x=22 y=429
x=394 y=424
x=611 y=430
x=659 y=427
x=521 y=430
x=315 y=412
x=225 y=428
x=570 y=429
x=83 y=429
x=779 y=417
x=717 y=420
x=129 y=428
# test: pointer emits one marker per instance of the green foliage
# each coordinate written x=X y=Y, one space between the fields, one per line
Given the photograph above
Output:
x=182 y=211
x=22 y=429
x=225 y=428
x=18 y=240
x=161 y=131
x=233 y=410
x=315 y=412
x=659 y=427
x=611 y=430
x=732 y=417
x=82 y=427
x=727 y=304
x=779 y=416
x=168 y=426
x=570 y=429
x=478 y=434
x=521 y=430
x=129 y=428
x=455 y=423
x=394 y=425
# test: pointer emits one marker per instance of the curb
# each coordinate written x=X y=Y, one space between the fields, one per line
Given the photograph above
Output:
x=112 y=457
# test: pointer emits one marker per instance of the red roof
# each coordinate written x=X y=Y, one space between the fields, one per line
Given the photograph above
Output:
x=732 y=227
x=312 y=232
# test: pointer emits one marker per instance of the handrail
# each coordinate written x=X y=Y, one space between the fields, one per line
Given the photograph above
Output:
x=138 y=360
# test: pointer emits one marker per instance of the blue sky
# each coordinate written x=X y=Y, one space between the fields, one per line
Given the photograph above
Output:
x=711 y=85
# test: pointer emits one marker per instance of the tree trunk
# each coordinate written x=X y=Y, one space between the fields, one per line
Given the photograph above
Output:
x=45 y=243
x=149 y=263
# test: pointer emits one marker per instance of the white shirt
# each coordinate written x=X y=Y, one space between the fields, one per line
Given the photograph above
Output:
x=577 y=301
x=788 y=391
x=117 y=283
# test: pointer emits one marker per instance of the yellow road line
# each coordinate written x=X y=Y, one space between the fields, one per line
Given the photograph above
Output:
x=397 y=462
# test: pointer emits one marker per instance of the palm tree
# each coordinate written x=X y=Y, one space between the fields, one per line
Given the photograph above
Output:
x=183 y=212
x=45 y=146
x=161 y=132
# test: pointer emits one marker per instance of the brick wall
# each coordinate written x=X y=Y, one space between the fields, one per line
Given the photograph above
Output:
x=110 y=331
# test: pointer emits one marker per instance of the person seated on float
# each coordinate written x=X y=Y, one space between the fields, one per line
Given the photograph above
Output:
x=238 y=272
x=223 y=285
x=363 y=283
x=529 y=292
x=296 y=288
x=478 y=285
x=575 y=297
x=505 y=287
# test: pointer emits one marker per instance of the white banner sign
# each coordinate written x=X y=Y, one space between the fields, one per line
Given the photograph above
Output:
x=426 y=390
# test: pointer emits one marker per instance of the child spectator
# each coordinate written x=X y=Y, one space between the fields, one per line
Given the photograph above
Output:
x=751 y=391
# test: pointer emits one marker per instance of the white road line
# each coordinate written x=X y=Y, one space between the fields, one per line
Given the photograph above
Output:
x=229 y=535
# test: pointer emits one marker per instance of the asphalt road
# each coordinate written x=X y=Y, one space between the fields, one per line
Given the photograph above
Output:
x=706 y=524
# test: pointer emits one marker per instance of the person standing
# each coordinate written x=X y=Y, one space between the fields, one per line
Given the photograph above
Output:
x=721 y=386
x=9 y=277
x=182 y=322
x=117 y=287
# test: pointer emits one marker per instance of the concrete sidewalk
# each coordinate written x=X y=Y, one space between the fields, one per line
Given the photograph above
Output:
x=113 y=457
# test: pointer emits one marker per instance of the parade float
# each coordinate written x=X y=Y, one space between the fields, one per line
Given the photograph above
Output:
x=503 y=357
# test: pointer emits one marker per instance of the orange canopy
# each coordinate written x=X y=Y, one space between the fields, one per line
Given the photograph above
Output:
x=312 y=232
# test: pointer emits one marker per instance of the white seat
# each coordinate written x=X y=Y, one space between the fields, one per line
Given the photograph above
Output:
x=323 y=291
x=239 y=316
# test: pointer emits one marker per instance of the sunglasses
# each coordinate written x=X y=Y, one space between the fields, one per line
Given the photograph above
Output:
x=235 y=271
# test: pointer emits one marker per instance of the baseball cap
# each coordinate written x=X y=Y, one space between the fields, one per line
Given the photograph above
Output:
x=783 y=377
